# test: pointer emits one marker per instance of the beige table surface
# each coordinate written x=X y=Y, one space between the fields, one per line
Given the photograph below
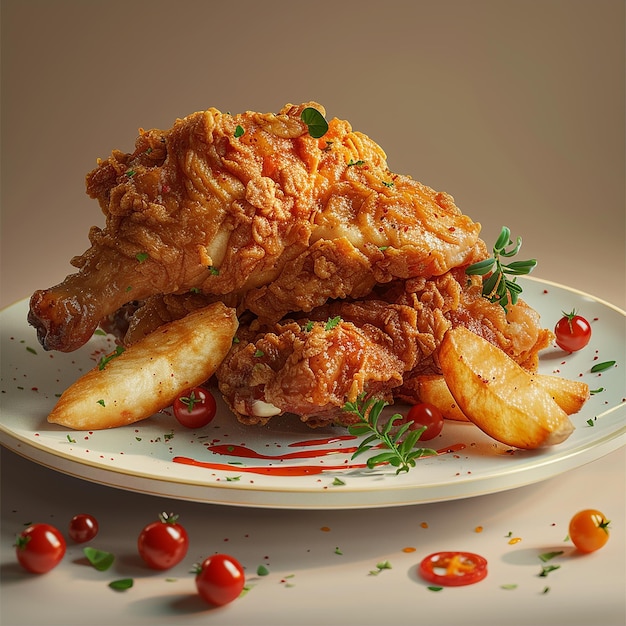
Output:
x=515 y=107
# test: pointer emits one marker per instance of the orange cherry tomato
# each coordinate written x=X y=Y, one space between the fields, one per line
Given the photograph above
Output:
x=453 y=569
x=589 y=530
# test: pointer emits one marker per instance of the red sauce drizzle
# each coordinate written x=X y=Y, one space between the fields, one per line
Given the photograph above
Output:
x=285 y=470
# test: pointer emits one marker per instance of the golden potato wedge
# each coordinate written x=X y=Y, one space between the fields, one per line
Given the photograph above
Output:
x=432 y=388
x=498 y=395
x=149 y=374
x=570 y=395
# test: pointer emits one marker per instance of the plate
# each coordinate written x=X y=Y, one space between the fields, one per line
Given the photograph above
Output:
x=287 y=465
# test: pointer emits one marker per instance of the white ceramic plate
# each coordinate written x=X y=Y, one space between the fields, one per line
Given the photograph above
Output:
x=146 y=456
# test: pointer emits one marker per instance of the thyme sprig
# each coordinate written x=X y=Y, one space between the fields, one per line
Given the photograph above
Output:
x=401 y=452
x=497 y=287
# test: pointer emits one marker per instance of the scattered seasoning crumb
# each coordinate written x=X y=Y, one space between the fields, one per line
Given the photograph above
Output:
x=325 y=529
x=409 y=549
x=545 y=590
x=31 y=350
x=338 y=551
x=508 y=587
x=478 y=529
x=424 y=524
x=514 y=540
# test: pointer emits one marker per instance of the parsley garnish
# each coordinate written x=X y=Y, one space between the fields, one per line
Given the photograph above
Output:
x=497 y=287
x=122 y=584
x=99 y=559
x=401 y=452
x=142 y=256
x=104 y=361
x=358 y=163
x=315 y=122
x=332 y=322
x=600 y=367
x=239 y=131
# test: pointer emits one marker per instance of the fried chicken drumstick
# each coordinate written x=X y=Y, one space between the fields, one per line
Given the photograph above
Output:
x=251 y=210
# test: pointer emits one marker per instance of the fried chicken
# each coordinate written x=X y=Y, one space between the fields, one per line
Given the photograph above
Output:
x=252 y=210
x=312 y=365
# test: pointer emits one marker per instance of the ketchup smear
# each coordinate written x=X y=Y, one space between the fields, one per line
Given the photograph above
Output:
x=288 y=470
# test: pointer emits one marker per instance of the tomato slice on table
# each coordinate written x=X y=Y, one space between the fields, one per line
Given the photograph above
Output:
x=453 y=569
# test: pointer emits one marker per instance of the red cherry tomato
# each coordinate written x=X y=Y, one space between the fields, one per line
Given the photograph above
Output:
x=424 y=415
x=220 y=579
x=453 y=569
x=589 y=530
x=40 y=548
x=164 y=543
x=572 y=332
x=195 y=408
x=83 y=527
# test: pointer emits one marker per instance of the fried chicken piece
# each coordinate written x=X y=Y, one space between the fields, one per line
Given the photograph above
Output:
x=255 y=211
x=311 y=368
x=313 y=365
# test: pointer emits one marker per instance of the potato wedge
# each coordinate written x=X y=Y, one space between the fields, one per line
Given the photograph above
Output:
x=432 y=388
x=570 y=395
x=149 y=374
x=498 y=395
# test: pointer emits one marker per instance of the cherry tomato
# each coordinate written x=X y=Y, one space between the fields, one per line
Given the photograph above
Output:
x=195 y=408
x=163 y=543
x=453 y=569
x=424 y=414
x=40 y=548
x=589 y=530
x=572 y=332
x=83 y=527
x=220 y=579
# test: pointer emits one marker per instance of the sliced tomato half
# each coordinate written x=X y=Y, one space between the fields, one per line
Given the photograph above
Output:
x=453 y=569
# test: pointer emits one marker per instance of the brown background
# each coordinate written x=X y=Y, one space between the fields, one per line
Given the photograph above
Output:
x=515 y=107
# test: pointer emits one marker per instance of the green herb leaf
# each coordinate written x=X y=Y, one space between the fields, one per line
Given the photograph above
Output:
x=99 y=559
x=546 y=569
x=546 y=556
x=497 y=287
x=337 y=482
x=434 y=588
x=239 y=131
x=122 y=584
x=101 y=402
x=142 y=256
x=332 y=322
x=509 y=586
x=262 y=570
x=398 y=452
x=105 y=360
x=600 y=367
x=315 y=122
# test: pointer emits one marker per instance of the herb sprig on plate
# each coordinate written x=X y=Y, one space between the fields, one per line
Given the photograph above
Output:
x=400 y=451
x=497 y=287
